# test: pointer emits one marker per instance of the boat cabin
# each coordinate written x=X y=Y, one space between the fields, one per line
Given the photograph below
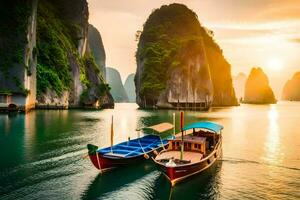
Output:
x=190 y=142
x=198 y=137
x=195 y=149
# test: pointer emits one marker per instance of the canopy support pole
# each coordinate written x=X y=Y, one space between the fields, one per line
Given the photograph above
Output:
x=174 y=124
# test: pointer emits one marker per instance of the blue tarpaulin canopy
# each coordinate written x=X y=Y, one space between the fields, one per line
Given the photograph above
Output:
x=205 y=125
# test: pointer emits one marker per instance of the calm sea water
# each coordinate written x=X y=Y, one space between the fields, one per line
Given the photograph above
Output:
x=41 y=155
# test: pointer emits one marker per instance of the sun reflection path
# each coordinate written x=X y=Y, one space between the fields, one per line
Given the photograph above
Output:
x=272 y=144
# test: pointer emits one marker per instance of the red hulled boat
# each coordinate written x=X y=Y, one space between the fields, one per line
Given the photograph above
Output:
x=191 y=153
x=131 y=151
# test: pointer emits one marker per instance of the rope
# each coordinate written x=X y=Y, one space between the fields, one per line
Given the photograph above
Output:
x=98 y=162
x=143 y=150
x=163 y=146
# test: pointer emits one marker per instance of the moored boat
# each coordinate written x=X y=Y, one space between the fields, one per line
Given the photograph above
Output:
x=131 y=151
x=191 y=153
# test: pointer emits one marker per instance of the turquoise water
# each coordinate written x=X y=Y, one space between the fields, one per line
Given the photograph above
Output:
x=42 y=155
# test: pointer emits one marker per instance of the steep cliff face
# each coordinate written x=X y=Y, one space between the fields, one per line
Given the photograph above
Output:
x=130 y=88
x=67 y=74
x=18 y=51
x=239 y=85
x=257 y=89
x=291 y=90
x=115 y=82
x=97 y=49
x=179 y=62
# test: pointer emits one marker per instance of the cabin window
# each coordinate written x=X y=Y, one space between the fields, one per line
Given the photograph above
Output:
x=197 y=146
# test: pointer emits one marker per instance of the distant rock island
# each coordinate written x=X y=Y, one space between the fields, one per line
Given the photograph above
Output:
x=291 y=90
x=115 y=82
x=257 y=89
x=239 y=82
x=179 y=63
x=130 y=88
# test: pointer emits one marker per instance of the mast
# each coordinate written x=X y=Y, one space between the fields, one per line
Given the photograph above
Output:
x=174 y=124
x=181 y=127
x=112 y=133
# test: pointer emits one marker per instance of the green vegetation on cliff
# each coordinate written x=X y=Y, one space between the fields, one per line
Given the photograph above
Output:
x=13 y=29
x=96 y=47
x=171 y=37
x=53 y=44
x=56 y=46
x=165 y=45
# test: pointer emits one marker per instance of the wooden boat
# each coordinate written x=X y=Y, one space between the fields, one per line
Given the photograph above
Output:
x=131 y=151
x=191 y=153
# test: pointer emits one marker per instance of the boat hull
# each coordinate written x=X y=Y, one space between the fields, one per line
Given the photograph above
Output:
x=179 y=173
x=104 y=163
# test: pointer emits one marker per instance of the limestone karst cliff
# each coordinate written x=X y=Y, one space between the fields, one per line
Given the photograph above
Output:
x=130 y=88
x=179 y=62
x=291 y=90
x=115 y=82
x=54 y=65
x=257 y=88
x=18 y=55
x=96 y=47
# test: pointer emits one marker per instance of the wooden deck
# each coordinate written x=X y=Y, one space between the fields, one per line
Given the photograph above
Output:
x=187 y=155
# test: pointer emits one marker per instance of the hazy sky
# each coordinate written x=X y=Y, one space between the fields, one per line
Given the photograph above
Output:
x=251 y=33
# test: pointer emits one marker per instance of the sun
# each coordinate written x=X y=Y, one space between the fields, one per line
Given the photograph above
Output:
x=275 y=64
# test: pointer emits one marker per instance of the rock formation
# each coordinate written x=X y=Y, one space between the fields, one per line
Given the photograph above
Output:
x=178 y=62
x=97 y=49
x=291 y=90
x=67 y=73
x=257 y=89
x=18 y=55
x=46 y=57
x=239 y=82
x=130 y=88
x=115 y=82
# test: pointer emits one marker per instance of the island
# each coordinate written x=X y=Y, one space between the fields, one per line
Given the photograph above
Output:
x=179 y=64
x=257 y=88
x=291 y=90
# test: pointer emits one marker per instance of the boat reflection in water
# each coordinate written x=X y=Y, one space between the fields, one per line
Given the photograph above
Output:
x=143 y=181
x=135 y=182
